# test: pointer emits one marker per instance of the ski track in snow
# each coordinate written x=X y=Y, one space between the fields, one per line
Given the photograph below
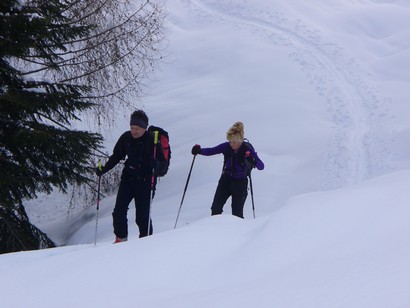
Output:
x=356 y=151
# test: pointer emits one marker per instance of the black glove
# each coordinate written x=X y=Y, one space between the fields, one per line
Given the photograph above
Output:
x=250 y=160
x=100 y=170
x=196 y=149
x=153 y=163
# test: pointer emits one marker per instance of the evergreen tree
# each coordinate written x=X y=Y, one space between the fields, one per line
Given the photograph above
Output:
x=39 y=149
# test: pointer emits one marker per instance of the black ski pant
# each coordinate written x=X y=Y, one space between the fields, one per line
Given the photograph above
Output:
x=228 y=187
x=138 y=189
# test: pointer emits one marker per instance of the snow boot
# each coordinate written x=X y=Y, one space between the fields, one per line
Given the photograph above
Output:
x=119 y=240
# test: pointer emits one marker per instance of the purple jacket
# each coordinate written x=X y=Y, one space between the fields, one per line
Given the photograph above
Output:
x=236 y=165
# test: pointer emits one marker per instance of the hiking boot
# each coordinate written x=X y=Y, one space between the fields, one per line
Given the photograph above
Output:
x=119 y=240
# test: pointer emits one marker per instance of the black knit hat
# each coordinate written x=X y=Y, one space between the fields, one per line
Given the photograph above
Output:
x=139 y=118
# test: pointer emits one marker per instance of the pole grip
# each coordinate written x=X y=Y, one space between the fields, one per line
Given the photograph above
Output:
x=156 y=136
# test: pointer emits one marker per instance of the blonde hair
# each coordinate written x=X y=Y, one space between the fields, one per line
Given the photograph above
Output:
x=236 y=132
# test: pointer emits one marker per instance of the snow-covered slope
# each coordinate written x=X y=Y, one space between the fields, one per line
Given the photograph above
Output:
x=322 y=90
x=341 y=248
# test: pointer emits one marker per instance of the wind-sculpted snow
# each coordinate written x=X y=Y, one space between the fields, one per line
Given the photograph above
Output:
x=340 y=248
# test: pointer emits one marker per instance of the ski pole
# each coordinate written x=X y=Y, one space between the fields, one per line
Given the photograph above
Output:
x=253 y=203
x=152 y=183
x=250 y=166
x=186 y=186
x=98 y=204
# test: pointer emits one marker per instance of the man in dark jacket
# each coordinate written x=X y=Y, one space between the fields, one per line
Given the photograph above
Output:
x=144 y=160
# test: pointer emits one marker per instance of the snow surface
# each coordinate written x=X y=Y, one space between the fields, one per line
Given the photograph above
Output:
x=322 y=88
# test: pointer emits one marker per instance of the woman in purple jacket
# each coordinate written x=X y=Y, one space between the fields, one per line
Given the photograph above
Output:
x=239 y=159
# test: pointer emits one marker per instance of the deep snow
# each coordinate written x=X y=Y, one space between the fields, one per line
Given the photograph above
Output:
x=321 y=87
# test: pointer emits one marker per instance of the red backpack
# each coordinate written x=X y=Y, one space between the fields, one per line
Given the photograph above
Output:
x=163 y=139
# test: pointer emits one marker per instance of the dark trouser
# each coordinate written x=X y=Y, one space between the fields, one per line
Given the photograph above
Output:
x=139 y=190
x=228 y=187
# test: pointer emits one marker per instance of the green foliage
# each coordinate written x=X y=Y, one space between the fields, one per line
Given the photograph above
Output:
x=39 y=149
x=17 y=233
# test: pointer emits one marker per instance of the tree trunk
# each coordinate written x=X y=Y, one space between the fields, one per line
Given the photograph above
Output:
x=17 y=233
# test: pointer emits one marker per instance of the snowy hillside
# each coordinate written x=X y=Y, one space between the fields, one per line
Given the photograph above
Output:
x=322 y=88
